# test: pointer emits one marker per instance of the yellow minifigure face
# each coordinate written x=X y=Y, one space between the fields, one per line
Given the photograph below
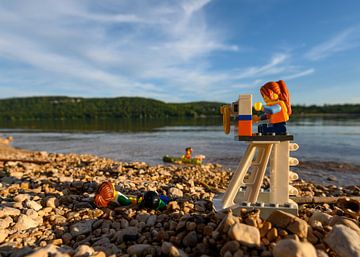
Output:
x=273 y=97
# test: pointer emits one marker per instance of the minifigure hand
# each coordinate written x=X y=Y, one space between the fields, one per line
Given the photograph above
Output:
x=255 y=118
x=258 y=106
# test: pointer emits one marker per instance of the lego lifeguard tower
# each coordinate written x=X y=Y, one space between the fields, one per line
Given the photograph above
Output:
x=245 y=190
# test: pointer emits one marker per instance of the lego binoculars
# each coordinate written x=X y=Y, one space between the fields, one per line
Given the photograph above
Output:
x=241 y=111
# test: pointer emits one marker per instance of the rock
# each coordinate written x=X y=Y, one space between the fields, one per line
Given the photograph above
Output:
x=66 y=238
x=190 y=226
x=344 y=221
x=151 y=221
x=33 y=205
x=324 y=218
x=298 y=227
x=344 y=241
x=82 y=227
x=52 y=202
x=126 y=234
x=281 y=219
x=24 y=222
x=321 y=253
x=290 y=222
x=165 y=247
x=21 y=198
x=227 y=222
x=8 y=211
x=190 y=239
x=140 y=250
x=173 y=205
x=231 y=246
x=22 y=252
x=293 y=248
x=99 y=254
x=175 y=192
x=83 y=251
x=49 y=250
x=245 y=234
x=5 y=222
x=3 y=235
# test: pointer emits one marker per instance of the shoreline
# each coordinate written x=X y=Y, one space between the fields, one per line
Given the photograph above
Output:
x=46 y=207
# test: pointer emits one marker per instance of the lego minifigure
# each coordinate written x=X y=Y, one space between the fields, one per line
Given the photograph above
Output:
x=188 y=152
x=277 y=109
x=107 y=193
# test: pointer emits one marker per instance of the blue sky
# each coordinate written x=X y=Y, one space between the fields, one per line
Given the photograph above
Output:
x=180 y=51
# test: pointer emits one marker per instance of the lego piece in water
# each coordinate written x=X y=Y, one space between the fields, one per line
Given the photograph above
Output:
x=185 y=159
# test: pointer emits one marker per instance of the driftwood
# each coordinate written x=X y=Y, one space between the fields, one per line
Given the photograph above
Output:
x=24 y=160
x=320 y=199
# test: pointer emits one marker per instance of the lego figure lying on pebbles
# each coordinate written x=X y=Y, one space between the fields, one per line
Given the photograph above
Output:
x=277 y=109
x=106 y=193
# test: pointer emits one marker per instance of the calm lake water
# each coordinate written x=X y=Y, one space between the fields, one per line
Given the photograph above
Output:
x=319 y=139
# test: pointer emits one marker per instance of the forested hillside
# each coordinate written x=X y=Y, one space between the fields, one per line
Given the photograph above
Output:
x=52 y=107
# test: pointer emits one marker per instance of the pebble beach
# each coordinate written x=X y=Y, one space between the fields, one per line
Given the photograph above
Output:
x=47 y=209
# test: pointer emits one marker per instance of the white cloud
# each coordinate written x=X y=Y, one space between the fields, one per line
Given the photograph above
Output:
x=112 y=48
x=300 y=74
x=343 y=41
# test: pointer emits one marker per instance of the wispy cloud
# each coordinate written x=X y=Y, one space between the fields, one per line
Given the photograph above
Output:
x=343 y=41
x=129 y=47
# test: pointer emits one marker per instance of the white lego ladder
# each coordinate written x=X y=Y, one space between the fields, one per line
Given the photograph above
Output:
x=246 y=192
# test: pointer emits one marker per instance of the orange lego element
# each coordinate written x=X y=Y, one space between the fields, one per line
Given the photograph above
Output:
x=245 y=127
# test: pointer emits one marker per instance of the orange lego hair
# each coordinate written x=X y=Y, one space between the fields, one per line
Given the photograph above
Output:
x=280 y=89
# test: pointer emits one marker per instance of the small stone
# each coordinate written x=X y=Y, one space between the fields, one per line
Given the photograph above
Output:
x=82 y=227
x=281 y=219
x=343 y=241
x=175 y=252
x=298 y=227
x=140 y=249
x=245 y=234
x=99 y=254
x=8 y=211
x=190 y=239
x=272 y=234
x=3 y=235
x=266 y=226
x=52 y=202
x=190 y=226
x=231 y=246
x=173 y=205
x=24 y=185
x=124 y=223
x=5 y=222
x=344 y=221
x=151 y=221
x=24 y=222
x=324 y=218
x=238 y=253
x=126 y=234
x=33 y=205
x=83 y=251
x=293 y=248
x=21 y=198
x=165 y=247
x=321 y=253
x=175 y=192
x=49 y=250
x=66 y=238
